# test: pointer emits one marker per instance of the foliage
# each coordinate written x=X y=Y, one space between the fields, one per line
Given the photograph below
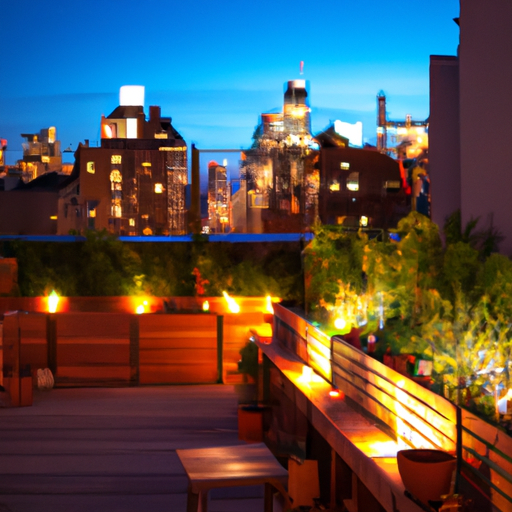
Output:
x=334 y=256
x=451 y=304
x=102 y=265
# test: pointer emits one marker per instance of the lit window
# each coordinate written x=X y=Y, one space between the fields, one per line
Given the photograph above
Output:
x=115 y=159
x=91 y=168
x=146 y=164
x=344 y=165
x=159 y=188
x=132 y=222
x=116 y=187
x=131 y=128
x=92 y=213
x=334 y=186
x=353 y=181
x=392 y=184
x=53 y=217
x=363 y=221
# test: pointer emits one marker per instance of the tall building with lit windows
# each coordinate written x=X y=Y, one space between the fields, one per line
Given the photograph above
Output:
x=275 y=170
x=134 y=184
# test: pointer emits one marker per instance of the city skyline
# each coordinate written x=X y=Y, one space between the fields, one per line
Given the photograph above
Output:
x=215 y=69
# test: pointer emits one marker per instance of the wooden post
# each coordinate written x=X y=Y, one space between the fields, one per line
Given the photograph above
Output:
x=51 y=342
x=134 y=350
x=220 y=349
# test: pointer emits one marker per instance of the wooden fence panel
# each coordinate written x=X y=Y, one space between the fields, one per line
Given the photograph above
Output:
x=177 y=349
x=93 y=349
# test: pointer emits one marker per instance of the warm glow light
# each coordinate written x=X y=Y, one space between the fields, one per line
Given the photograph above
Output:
x=340 y=323
x=232 y=305
x=384 y=448
x=268 y=306
x=206 y=306
x=139 y=309
x=335 y=393
x=53 y=301
x=363 y=221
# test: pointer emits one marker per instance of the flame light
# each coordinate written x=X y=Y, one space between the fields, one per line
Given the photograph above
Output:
x=206 y=306
x=340 y=323
x=142 y=307
x=268 y=305
x=53 y=301
x=232 y=305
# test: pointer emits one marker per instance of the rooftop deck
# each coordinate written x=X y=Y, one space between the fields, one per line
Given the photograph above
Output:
x=114 y=449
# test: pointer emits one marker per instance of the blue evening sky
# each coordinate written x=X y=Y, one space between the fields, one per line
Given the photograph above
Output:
x=214 y=67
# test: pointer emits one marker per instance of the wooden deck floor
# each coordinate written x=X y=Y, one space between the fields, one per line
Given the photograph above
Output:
x=108 y=449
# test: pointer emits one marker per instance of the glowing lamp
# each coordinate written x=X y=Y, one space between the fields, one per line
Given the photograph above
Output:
x=139 y=309
x=307 y=373
x=232 y=305
x=53 y=301
x=206 y=306
x=268 y=305
x=340 y=323
x=335 y=393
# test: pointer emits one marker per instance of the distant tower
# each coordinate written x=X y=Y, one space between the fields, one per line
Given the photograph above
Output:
x=296 y=109
x=381 y=122
x=218 y=198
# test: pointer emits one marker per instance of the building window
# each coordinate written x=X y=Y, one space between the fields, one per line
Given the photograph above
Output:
x=159 y=188
x=116 y=186
x=353 y=182
x=334 y=186
x=91 y=168
x=115 y=159
x=345 y=166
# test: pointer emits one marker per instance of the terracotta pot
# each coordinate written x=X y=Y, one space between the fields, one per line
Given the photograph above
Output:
x=426 y=474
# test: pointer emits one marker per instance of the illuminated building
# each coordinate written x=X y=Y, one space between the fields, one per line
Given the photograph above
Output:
x=134 y=184
x=275 y=169
x=41 y=153
x=358 y=187
x=218 y=199
x=401 y=139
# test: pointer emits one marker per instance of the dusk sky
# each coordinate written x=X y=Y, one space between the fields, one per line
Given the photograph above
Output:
x=214 y=67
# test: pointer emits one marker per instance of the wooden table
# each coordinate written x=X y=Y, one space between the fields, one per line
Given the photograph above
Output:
x=229 y=466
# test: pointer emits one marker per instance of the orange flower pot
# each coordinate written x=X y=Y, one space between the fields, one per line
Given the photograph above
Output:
x=426 y=474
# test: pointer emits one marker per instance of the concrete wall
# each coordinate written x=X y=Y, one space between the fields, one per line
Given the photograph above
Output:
x=444 y=140
x=486 y=114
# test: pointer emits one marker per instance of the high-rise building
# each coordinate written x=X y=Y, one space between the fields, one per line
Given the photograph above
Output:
x=218 y=199
x=275 y=168
x=134 y=184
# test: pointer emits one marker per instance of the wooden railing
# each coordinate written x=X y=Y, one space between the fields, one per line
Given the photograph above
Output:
x=413 y=415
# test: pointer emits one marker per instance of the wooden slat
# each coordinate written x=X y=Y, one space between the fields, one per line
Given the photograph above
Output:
x=384 y=407
x=191 y=373
x=185 y=343
x=99 y=372
x=436 y=402
x=421 y=409
x=115 y=325
x=84 y=354
x=185 y=356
